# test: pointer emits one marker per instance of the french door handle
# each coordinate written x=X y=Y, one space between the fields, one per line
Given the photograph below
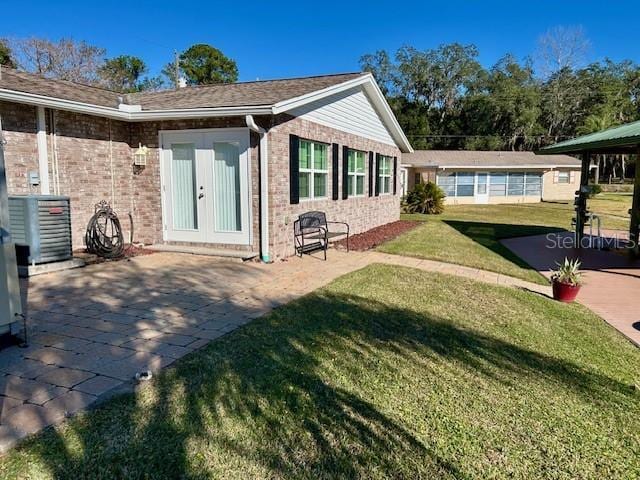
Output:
x=200 y=196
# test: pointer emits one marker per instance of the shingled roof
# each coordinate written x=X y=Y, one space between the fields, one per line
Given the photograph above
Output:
x=264 y=93
x=258 y=93
x=262 y=97
x=37 y=85
x=484 y=159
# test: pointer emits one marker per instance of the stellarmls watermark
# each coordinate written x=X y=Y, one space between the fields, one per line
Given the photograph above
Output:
x=611 y=242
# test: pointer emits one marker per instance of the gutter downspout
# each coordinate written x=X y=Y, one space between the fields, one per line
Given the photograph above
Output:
x=43 y=156
x=264 y=187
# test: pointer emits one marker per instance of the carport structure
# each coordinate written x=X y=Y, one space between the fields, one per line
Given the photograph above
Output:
x=622 y=139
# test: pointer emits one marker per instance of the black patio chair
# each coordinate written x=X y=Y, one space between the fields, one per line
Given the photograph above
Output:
x=311 y=232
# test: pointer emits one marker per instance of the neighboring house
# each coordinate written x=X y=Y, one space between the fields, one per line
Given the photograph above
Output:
x=468 y=176
x=228 y=166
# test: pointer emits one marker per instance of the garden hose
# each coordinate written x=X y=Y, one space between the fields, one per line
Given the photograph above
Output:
x=104 y=233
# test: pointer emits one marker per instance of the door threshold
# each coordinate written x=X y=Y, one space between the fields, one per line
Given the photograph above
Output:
x=207 y=251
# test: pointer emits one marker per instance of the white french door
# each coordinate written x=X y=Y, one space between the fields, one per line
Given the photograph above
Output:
x=205 y=185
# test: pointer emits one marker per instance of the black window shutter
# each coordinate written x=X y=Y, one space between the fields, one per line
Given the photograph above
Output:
x=334 y=171
x=395 y=173
x=345 y=173
x=370 y=174
x=294 y=169
x=377 y=174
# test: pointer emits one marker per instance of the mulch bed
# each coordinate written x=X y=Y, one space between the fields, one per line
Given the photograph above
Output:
x=376 y=236
x=130 y=251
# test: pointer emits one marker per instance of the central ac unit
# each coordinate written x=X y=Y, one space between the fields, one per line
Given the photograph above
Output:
x=41 y=228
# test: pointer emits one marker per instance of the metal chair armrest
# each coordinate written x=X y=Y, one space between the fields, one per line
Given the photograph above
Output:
x=341 y=223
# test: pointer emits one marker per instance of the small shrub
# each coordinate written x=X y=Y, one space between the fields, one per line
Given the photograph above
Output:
x=425 y=198
x=594 y=190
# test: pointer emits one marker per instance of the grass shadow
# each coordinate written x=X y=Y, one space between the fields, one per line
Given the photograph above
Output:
x=488 y=235
x=263 y=402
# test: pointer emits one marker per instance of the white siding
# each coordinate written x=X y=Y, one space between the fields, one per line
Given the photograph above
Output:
x=349 y=111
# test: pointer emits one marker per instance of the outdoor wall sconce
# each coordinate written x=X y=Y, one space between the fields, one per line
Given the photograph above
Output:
x=140 y=156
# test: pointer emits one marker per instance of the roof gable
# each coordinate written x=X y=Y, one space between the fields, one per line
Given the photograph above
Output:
x=351 y=111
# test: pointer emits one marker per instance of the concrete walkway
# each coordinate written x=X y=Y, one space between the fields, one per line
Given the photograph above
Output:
x=611 y=280
x=93 y=329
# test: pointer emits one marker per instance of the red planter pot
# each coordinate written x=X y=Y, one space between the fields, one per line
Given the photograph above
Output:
x=565 y=292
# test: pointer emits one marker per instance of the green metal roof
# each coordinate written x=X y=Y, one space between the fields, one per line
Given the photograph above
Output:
x=627 y=135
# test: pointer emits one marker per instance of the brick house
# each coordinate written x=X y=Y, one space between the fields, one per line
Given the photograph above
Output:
x=478 y=177
x=227 y=166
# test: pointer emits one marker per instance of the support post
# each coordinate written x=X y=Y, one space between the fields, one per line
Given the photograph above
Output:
x=580 y=201
x=635 y=210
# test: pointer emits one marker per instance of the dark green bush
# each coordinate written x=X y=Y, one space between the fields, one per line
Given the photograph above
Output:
x=594 y=190
x=425 y=198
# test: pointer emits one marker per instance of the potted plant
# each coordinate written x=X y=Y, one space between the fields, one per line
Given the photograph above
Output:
x=566 y=280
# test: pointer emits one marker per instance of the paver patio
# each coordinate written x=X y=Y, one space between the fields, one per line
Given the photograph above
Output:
x=611 y=280
x=94 y=328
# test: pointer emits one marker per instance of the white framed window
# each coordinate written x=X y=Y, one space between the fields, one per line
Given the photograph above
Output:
x=457 y=184
x=314 y=173
x=533 y=184
x=515 y=186
x=385 y=174
x=564 y=177
x=356 y=173
x=447 y=182
x=465 y=184
x=497 y=184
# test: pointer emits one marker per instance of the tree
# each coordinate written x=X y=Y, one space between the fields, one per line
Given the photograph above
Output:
x=6 y=59
x=379 y=64
x=65 y=59
x=125 y=74
x=203 y=64
x=444 y=99
x=437 y=78
x=561 y=48
x=503 y=108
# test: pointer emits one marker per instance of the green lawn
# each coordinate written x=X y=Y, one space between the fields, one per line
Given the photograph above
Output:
x=613 y=208
x=470 y=234
x=415 y=375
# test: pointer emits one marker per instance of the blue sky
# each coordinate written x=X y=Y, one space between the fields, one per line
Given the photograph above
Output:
x=273 y=39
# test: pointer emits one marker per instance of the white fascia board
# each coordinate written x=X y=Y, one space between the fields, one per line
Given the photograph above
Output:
x=178 y=114
x=375 y=94
x=62 y=104
x=495 y=167
x=130 y=114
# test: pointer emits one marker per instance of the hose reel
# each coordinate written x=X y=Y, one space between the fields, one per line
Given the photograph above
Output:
x=104 y=233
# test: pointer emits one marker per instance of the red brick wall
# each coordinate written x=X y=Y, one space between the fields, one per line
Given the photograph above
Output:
x=95 y=162
x=361 y=213
x=21 y=153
